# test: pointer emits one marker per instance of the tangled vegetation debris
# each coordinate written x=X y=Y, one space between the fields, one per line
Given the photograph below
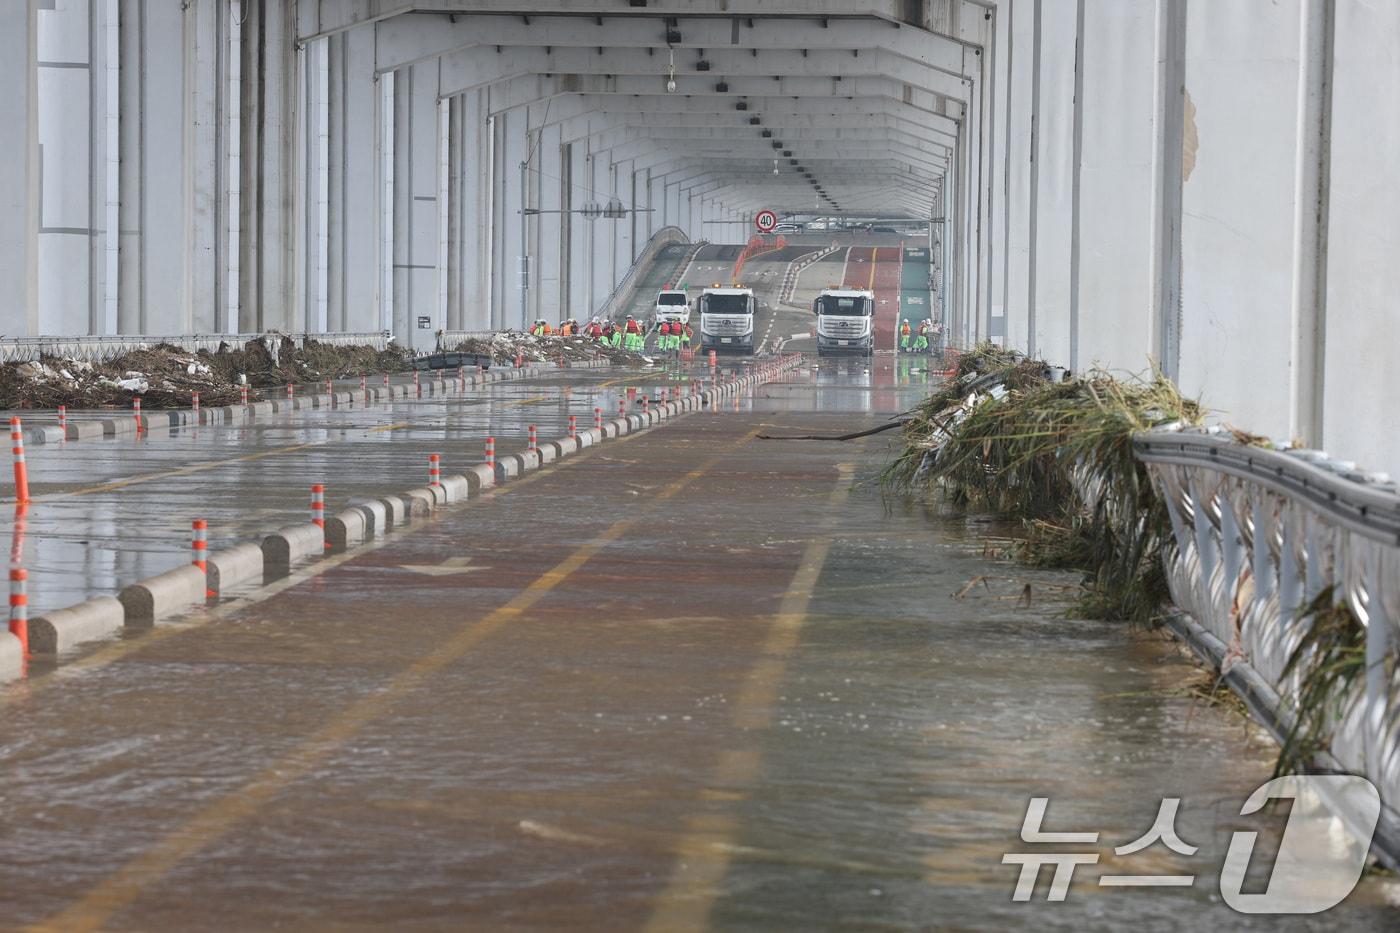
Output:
x=166 y=376
x=1002 y=435
x=506 y=346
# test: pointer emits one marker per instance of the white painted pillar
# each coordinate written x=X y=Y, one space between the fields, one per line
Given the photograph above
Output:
x=354 y=231
x=417 y=315
x=70 y=106
x=19 y=166
x=551 y=227
x=314 y=214
x=156 y=177
x=270 y=182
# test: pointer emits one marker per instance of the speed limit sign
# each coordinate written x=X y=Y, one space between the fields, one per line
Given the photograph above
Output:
x=765 y=221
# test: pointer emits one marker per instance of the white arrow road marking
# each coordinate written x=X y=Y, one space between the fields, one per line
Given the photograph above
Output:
x=452 y=565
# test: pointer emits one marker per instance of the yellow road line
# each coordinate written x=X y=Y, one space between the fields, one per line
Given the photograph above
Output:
x=122 y=888
x=703 y=851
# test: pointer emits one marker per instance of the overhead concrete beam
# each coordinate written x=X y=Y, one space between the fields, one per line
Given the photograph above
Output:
x=405 y=40
x=318 y=17
x=481 y=64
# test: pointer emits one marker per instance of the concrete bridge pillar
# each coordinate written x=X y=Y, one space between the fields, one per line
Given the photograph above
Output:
x=19 y=157
x=268 y=181
x=415 y=246
x=354 y=169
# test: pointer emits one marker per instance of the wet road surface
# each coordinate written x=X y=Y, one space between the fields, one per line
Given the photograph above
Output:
x=687 y=679
x=109 y=512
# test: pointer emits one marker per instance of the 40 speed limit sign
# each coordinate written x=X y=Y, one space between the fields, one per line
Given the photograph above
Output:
x=765 y=221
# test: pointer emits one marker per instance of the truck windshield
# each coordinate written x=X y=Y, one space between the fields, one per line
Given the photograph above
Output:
x=676 y=299
x=726 y=304
x=830 y=304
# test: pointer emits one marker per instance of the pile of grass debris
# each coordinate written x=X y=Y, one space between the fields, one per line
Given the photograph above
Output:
x=1002 y=435
x=506 y=346
x=166 y=376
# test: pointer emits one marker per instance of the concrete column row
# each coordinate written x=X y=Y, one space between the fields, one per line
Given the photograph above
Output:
x=178 y=168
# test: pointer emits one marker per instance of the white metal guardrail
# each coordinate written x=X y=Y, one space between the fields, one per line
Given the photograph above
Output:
x=1260 y=532
x=97 y=349
x=795 y=270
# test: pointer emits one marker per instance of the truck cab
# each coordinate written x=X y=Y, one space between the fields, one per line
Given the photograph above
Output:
x=671 y=305
x=845 y=321
x=726 y=318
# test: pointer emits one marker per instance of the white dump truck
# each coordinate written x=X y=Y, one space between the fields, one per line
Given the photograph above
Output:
x=845 y=321
x=726 y=318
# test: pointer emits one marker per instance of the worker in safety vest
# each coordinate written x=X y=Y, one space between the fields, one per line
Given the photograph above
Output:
x=921 y=341
x=537 y=329
x=686 y=334
x=633 y=332
x=613 y=333
x=904 y=335
x=663 y=337
x=595 y=330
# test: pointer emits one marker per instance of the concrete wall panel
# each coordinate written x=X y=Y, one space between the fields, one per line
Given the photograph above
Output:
x=1237 y=224
x=1363 y=276
x=1115 y=193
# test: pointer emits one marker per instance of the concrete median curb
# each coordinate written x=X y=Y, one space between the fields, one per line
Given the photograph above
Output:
x=457 y=488
x=163 y=595
x=376 y=514
x=418 y=503
x=479 y=477
x=345 y=529
x=286 y=547
x=58 y=631
x=242 y=563
x=395 y=512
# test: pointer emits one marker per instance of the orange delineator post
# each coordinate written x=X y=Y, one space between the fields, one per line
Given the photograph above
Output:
x=199 y=546
x=434 y=470
x=21 y=469
x=330 y=393
x=318 y=506
x=417 y=384
x=491 y=452
x=243 y=396
x=19 y=607
x=573 y=425
x=598 y=418
x=136 y=407
x=534 y=439
x=63 y=419
x=622 y=407
x=196 y=407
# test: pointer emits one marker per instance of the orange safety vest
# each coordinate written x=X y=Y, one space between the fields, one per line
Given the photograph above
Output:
x=904 y=329
x=632 y=328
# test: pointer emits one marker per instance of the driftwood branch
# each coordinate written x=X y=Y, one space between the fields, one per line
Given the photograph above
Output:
x=832 y=437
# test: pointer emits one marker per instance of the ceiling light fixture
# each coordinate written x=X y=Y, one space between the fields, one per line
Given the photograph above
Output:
x=671 y=74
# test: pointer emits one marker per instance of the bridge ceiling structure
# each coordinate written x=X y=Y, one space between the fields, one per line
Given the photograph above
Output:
x=856 y=106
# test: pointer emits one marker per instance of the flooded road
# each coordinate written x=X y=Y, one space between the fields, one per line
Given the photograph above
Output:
x=688 y=679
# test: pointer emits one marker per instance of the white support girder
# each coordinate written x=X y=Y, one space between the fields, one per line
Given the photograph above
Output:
x=319 y=17
x=405 y=40
x=939 y=91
